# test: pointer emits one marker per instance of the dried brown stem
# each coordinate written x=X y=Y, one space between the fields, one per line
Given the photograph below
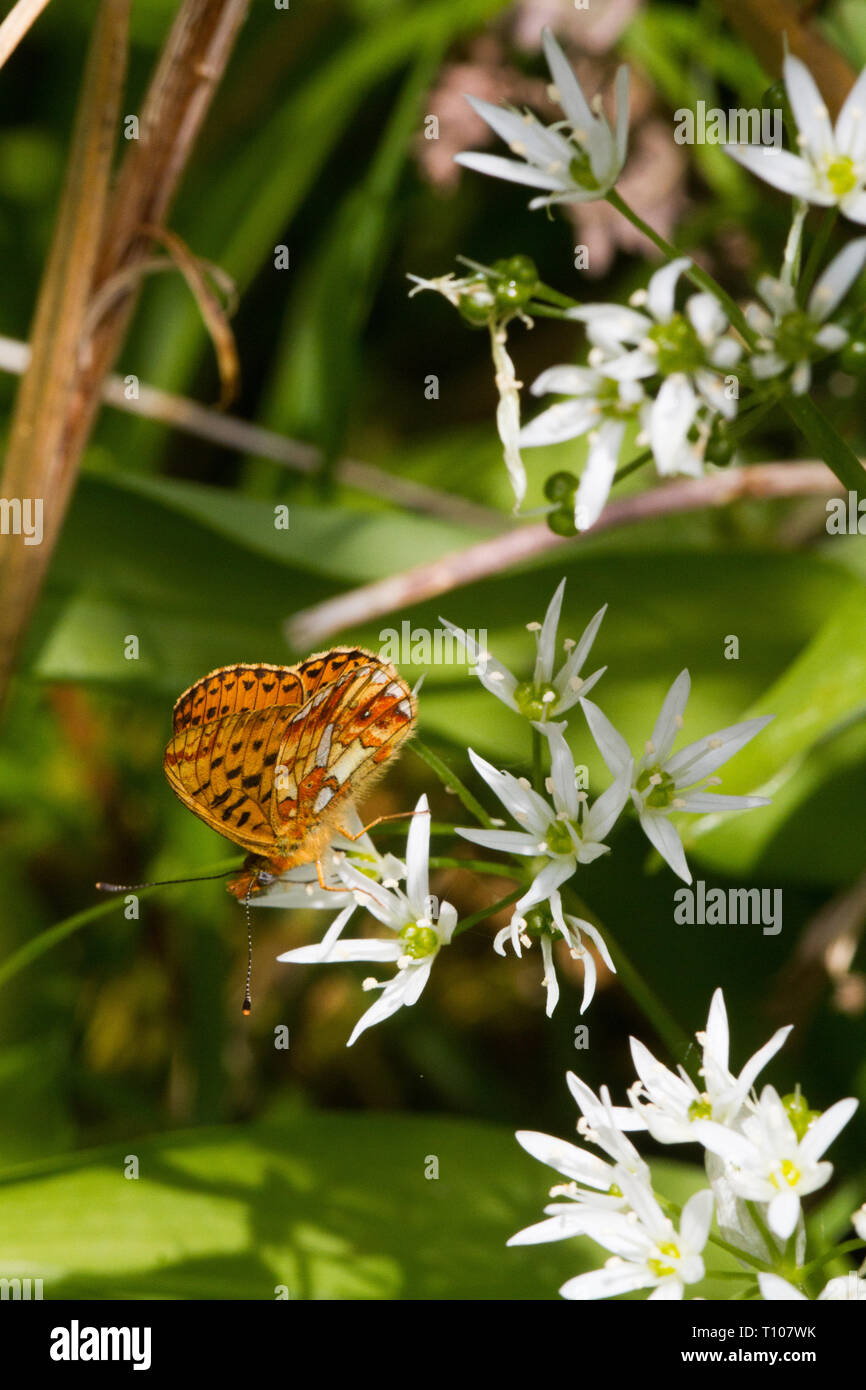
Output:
x=38 y=464
x=95 y=242
x=310 y=627
x=16 y=24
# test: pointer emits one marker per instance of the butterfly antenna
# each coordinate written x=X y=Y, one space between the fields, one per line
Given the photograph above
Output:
x=247 y=1006
x=160 y=883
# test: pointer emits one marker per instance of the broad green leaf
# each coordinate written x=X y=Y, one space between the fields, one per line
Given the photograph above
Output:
x=330 y=1206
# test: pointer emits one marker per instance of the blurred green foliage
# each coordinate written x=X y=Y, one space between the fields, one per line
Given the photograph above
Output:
x=132 y=1028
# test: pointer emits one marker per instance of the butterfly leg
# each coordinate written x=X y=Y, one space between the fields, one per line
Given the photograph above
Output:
x=397 y=815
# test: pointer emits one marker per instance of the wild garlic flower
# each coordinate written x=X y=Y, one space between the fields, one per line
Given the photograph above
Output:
x=558 y=836
x=419 y=925
x=593 y=1182
x=830 y=168
x=648 y=1251
x=547 y=924
x=549 y=692
x=599 y=406
x=666 y=782
x=790 y=337
x=776 y=1157
x=300 y=888
x=669 y=1103
x=576 y=160
x=690 y=350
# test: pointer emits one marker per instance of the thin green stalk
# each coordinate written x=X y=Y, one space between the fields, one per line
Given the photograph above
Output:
x=816 y=251
x=537 y=762
x=675 y=1039
x=52 y=936
x=632 y=467
x=829 y=1255
x=827 y=444
x=695 y=273
x=451 y=781
x=476 y=866
x=474 y=918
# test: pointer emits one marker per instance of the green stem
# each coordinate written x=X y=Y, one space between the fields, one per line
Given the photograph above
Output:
x=695 y=273
x=828 y=445
x=537 y=763
x=451 y=781
x=474 y=918
x=742 y=1255
x=52 y=936
x=829 y=1255
x=632 y=467
x=476 y=866
x=675 y=1039
x=816 y=251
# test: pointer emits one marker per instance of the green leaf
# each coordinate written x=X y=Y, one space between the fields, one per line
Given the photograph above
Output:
x=331 y=1206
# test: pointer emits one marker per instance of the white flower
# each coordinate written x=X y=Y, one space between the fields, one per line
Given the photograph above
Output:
x=791 y=336
x=599 y=406
x=844 y=1288
x=858 y=1221
x=419 y=929
x=301 y=887
x=549 y=923
x=768 y=1162
x=831 y=166
x=593 y=1182
x=669 y=1104
x=664 y=781
x=688 y=349
x=548 y=693
x=568 y=833
x=574 y=168
x=648 y=1250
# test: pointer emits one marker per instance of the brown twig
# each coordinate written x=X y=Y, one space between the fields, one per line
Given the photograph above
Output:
x=39 y=466
x=96 y=242
x=180 y=413
x=311 y=626
x=16 y=24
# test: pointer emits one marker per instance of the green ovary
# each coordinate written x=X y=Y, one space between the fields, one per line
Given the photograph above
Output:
x=794 y=336
x=420 y=941
x=658 y=1267
x=679 y=347
x=558 y=838
x=530 y=699
x=662 y=792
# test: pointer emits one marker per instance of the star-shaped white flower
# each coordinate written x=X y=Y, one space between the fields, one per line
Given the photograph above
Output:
x=593 y=1182
x=600 y=407
x=420 y=928
x=648 y=1250
x=769 y=1162
x=576 y=160
x=548 y=924
x=560 y=836
x=550 y=692
x=790 y=336
x=690 y=350
x=300 y=888
x=669 y=1103
x=666 y=782
x=831 y=165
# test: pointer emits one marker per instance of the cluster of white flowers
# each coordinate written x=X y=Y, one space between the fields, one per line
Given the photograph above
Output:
x=763 y=1155
x=659 y=376
x=561 y=830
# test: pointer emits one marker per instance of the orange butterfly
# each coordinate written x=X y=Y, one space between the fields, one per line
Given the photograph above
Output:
x=273 y=757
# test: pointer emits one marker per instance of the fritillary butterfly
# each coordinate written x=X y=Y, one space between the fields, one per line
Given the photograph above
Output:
x=274 y=756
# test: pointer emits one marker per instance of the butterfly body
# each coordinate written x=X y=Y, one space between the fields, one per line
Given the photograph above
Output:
x=273 y=757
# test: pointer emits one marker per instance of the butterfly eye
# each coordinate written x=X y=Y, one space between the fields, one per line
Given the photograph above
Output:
x=265 y=877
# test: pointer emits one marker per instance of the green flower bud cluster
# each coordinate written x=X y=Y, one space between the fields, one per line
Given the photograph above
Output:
x=501 y=293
